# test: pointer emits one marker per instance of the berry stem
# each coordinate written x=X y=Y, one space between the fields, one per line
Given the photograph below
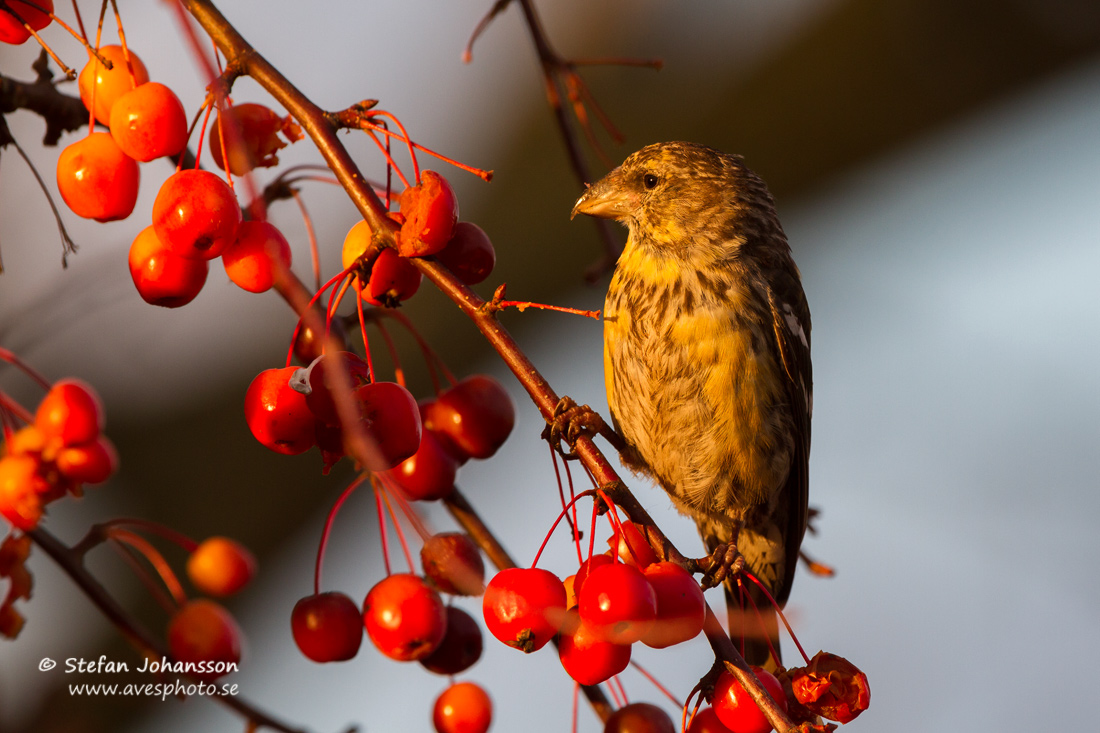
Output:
x=12 y=358
x=153 y=557
x=314 y=252
x=328 y=530
x=561 y=494
x=397 y=528
x=779 y=611
x=561 y=515
x=381 y=525
x=363 y=327
x=664 y=690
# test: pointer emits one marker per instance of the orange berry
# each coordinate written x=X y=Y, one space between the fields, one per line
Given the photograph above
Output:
x=96 y=179
x=220 y=567
x=161 y=276
x=109 y=84
x=70 y=413
x=149 y=122
x=12 y=31
x=20 y=486
x=258 y=257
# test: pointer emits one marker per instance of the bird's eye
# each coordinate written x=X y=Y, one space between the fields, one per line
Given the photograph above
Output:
x=649 y=181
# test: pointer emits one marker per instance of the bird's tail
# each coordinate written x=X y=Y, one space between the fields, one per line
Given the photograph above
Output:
x=753 y=624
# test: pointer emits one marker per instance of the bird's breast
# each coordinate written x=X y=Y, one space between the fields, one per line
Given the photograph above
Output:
x=694 y=388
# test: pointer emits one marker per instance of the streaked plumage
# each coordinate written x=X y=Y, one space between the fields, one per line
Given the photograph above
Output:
x=707 y=351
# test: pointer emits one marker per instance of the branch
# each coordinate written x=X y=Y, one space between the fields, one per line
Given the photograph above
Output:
x=137 y=635
x=322 y=130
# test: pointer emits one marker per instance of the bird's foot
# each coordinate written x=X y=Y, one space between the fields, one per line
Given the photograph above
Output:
x=724 y=562
x=569 y=422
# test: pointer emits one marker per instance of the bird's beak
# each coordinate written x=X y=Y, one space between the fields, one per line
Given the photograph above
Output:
x=607 y=198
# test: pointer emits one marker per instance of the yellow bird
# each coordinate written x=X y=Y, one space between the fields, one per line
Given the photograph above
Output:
x=707 y=361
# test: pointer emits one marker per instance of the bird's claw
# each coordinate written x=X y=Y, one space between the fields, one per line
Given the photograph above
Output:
x=569 y=422
x=724 y=562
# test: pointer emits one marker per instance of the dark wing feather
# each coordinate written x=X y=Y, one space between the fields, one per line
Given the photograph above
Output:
x=791 y=325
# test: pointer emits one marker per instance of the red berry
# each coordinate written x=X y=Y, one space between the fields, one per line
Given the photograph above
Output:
x=707 y=721
x=391 y=419
x=392 y=280
x=632 y=547
x=203 y=632
x=524 y=607
x=149 y=122
x=736 y=708
x=92 y=462
x=639 y=717
x=324 y=376
x=277 y=415
x=469 y=254
x=429 y=473
x=327 y=627
x=462 y=708
x=586 y=569
x=12 y=30
x=196 y=214
x=251 y=135
x=476 y=416
x=681 y=608
x=20 y=486
x=96 y=179
x=453 y=563
x=220 y=566
x=461 y=645
x=70 y=413
x=160 y=275
x=586 y=654
x=356 y=242
x=258 y=258
x=618 y=602
x=404 y=617
x=431 y=211
x=107 y=85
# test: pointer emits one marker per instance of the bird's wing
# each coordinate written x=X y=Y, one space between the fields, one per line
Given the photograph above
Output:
x=791 y=325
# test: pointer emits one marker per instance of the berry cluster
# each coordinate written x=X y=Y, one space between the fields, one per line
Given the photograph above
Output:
x=62 y=449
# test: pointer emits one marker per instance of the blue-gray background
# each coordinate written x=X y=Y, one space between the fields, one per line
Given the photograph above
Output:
x=945 y=217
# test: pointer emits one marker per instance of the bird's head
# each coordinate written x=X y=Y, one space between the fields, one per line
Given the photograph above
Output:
x=683 y=199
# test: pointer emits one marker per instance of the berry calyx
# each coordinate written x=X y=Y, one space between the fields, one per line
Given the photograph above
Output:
x=107 y=85
x=431 y=211
x=204 y=633
x=258 y=257
x=149 y=122
x=160 y=275
x=277 y=415
x=404 y=617
x=327 y=627
x=462 y=708
x=96 y=179
x=736 y=708
x=196 y=214
x=220 y=566
x=524 y=607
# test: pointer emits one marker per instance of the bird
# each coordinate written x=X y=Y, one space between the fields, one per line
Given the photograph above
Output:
x=707 y=363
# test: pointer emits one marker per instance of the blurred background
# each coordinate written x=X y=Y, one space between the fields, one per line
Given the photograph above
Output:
x=935 y=164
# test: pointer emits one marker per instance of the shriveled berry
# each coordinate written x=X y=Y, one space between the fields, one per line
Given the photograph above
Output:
x=453 y=563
